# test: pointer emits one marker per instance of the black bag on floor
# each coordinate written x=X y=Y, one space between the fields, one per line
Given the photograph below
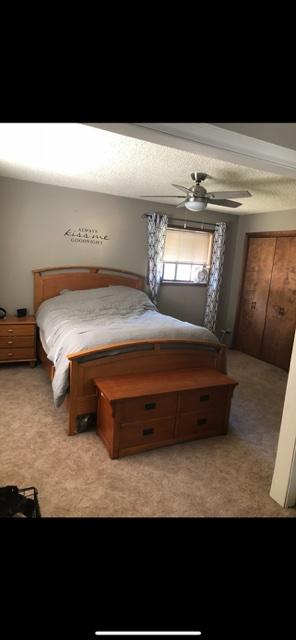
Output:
x=15 y=502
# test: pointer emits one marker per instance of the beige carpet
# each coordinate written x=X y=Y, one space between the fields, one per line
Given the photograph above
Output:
x=223 y=476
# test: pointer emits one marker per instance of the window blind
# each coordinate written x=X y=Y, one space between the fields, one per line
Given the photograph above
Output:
x=188 y=246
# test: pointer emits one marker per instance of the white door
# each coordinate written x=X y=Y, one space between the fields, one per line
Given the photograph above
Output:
x=283 y=487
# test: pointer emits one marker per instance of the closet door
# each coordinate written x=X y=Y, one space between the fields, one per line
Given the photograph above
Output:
x=254 y=297
x=281 y=308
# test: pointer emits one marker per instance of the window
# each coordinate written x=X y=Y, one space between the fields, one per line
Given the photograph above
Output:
x=186 y=253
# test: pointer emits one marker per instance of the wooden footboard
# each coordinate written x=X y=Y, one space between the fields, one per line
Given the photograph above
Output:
x=133 y=357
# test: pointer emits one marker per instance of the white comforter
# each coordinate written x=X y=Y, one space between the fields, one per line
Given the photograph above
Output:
x=78 y=320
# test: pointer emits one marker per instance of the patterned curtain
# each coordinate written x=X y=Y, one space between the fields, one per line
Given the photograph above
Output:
x=157 y=226
x=215 y=276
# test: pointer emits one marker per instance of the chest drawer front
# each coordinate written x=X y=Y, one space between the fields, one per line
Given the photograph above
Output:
x=17 y=330
x=148 y=407
x=17 y=341
x=204 y=423
x=17 y=354
x=146 y=432
x=201 y=399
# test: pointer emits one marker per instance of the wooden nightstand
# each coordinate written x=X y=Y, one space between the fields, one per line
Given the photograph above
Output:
x=18 y=340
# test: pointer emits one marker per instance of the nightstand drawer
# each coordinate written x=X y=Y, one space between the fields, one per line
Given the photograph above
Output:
x=17 y=354
x=17 y=330
x=142 y=432
x=200 y=399
x=148 y=407
x=17 y=341
x=203 y=423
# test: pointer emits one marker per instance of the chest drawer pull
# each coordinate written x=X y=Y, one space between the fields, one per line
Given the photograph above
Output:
x=204 y=398
x=202 y=421
x=150 y=405
x=9 y=341
x=10 y=330
x=10 y=354
x=148 y=432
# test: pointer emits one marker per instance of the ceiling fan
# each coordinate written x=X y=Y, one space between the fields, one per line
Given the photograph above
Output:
x=197 y=197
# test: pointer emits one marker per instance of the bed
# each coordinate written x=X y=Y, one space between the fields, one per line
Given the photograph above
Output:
x=117 y=302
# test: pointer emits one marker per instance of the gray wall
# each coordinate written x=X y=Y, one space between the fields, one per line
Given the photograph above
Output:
x=34 y=218
x=276 y=221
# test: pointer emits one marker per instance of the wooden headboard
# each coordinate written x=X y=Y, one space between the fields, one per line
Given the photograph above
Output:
x=50 y=281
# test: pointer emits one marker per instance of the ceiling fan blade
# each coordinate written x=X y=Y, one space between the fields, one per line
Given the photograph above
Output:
x=172 y=195
x=224 y=203
x=181 y=203
x=229 y=194
x=178 y=186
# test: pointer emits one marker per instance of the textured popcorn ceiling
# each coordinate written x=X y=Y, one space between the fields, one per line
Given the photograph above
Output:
x=82 y=157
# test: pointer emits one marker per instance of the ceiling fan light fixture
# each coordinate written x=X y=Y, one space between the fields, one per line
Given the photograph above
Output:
x=197 y=197
x=196 y=205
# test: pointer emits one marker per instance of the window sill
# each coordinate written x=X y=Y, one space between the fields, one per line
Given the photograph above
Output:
x=182 y=282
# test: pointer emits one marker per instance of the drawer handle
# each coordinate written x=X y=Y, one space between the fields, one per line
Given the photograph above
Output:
x=204 y=398
x=201 y=421
x=150 y=405
x=9 y=341
x=10 y=354
x=147 y=432
x=10 y=330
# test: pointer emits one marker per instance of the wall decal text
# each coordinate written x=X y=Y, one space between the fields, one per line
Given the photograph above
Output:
x=82 y=234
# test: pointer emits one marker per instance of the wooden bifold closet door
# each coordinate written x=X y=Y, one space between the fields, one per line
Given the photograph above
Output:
x=267 y=312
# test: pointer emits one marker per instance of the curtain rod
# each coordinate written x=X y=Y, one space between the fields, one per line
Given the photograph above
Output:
x=210 y=224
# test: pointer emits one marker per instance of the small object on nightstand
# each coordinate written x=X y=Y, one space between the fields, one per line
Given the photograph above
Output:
x=21 y=313
x=2 y=313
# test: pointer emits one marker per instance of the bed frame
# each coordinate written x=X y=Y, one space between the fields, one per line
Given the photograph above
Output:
x=133 y=356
